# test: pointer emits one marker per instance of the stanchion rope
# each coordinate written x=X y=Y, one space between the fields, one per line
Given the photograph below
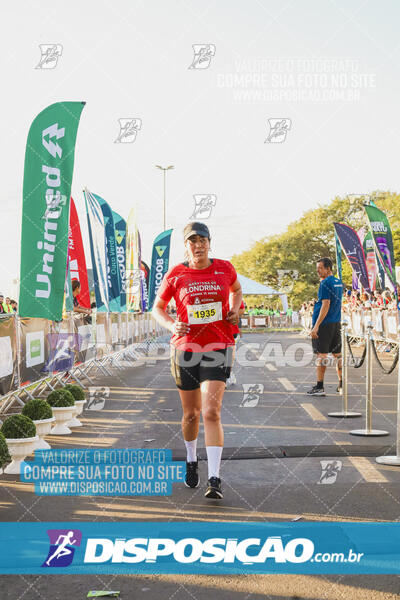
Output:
x=357 y=362
x=395 y=361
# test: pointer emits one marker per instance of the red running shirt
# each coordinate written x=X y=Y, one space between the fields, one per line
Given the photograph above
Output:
x=202 y=300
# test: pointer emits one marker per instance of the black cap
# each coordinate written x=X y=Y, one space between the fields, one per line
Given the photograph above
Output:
x=196 y=228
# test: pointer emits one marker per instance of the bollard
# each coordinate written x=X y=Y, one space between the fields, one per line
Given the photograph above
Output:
x=368 y=431
x=344 y=412
x=394 y=460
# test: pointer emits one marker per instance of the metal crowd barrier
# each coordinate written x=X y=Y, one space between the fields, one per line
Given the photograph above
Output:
x=385 y=323
x=267 y=321
x=37 y=354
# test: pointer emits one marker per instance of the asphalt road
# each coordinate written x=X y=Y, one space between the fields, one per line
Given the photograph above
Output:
x=275 y=440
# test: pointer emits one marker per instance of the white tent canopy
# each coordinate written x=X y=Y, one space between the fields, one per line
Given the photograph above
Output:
x=255 y=288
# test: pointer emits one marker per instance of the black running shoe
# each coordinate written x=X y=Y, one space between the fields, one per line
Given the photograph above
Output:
x=214 y=488
x=192 y=478
x=316 y=391
x=339 y=389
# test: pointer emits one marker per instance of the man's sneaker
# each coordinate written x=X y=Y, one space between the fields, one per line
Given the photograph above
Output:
x=339 y=389
x=316 y=391
x=192 y=478
x=214 y=488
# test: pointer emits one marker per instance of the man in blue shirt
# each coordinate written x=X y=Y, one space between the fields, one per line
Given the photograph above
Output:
x=326 y=333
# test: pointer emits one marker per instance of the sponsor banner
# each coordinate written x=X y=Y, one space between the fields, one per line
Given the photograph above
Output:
x=139 y=296
x=68 y=296
x=370 y=259
x=159 y=263
x=8 y=355
x=133 y=276
x=83 y=338
x=63 y=345
x=145 y=285
x=49 y=163
x=382 y=237
x=76 y=257
x=222 y=548
x=120 y=244
x=97 y=241
x=354 y=252
x=35 y=349
x=111 y=256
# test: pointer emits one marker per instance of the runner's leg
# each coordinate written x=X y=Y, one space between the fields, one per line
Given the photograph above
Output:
x=321 y=367
x=212 y=393
x=191 y=407
x=338 y=358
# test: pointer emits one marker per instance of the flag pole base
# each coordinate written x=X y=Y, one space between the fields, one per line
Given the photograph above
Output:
x=388 y=460
x=371 y=432
x=348 y=414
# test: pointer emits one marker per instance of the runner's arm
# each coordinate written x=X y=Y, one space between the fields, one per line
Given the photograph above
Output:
x=322 y=313
x=160 y=314
x=235 y=297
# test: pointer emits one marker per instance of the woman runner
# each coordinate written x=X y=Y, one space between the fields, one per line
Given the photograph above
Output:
x=207 y=294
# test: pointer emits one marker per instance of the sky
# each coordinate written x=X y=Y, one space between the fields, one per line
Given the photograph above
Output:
x=327 y=71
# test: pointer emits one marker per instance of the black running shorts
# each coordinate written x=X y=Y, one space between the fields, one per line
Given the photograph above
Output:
x=189 y=369
x=329 y=339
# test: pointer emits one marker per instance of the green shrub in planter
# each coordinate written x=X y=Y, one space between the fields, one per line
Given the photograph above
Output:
x=18 y=426
x=60 y=398
x=4 y=454
x=37 y=410
x=76 y=390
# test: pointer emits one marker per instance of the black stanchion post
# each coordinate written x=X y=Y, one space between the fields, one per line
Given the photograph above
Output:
x=368 y=431
x=344 y=412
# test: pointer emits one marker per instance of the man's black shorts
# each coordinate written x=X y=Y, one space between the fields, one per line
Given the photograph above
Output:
x=189 y=369
x=329 y=339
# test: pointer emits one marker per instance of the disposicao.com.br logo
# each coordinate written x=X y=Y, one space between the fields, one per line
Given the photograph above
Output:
x=188 y=550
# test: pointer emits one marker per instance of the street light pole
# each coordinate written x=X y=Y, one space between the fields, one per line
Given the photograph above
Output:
x=164 y=200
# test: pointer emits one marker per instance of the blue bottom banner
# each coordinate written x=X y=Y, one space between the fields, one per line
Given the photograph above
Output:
x=207 y=548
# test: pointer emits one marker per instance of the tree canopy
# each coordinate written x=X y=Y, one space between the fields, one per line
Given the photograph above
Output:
x=309 y=238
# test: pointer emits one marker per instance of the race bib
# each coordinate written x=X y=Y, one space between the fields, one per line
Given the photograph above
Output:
x=204 y=313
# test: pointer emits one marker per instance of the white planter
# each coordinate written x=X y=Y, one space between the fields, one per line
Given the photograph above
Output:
x=62 y=414
x=43 y=427
x=75 y=422
x=19 y=449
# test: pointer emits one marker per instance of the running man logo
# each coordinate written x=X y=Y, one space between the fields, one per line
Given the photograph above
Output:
x=203 y=205
x=97 y=397
x=50 y=53
x=251 y=394
x=133 y=277
x=62 y=547
x=286 y=277
x=161 y=250
x=128 y=129
x=330 y=470
x=203 y=54
x=278 y=129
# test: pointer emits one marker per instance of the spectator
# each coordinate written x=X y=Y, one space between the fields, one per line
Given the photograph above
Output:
x=76 y=290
